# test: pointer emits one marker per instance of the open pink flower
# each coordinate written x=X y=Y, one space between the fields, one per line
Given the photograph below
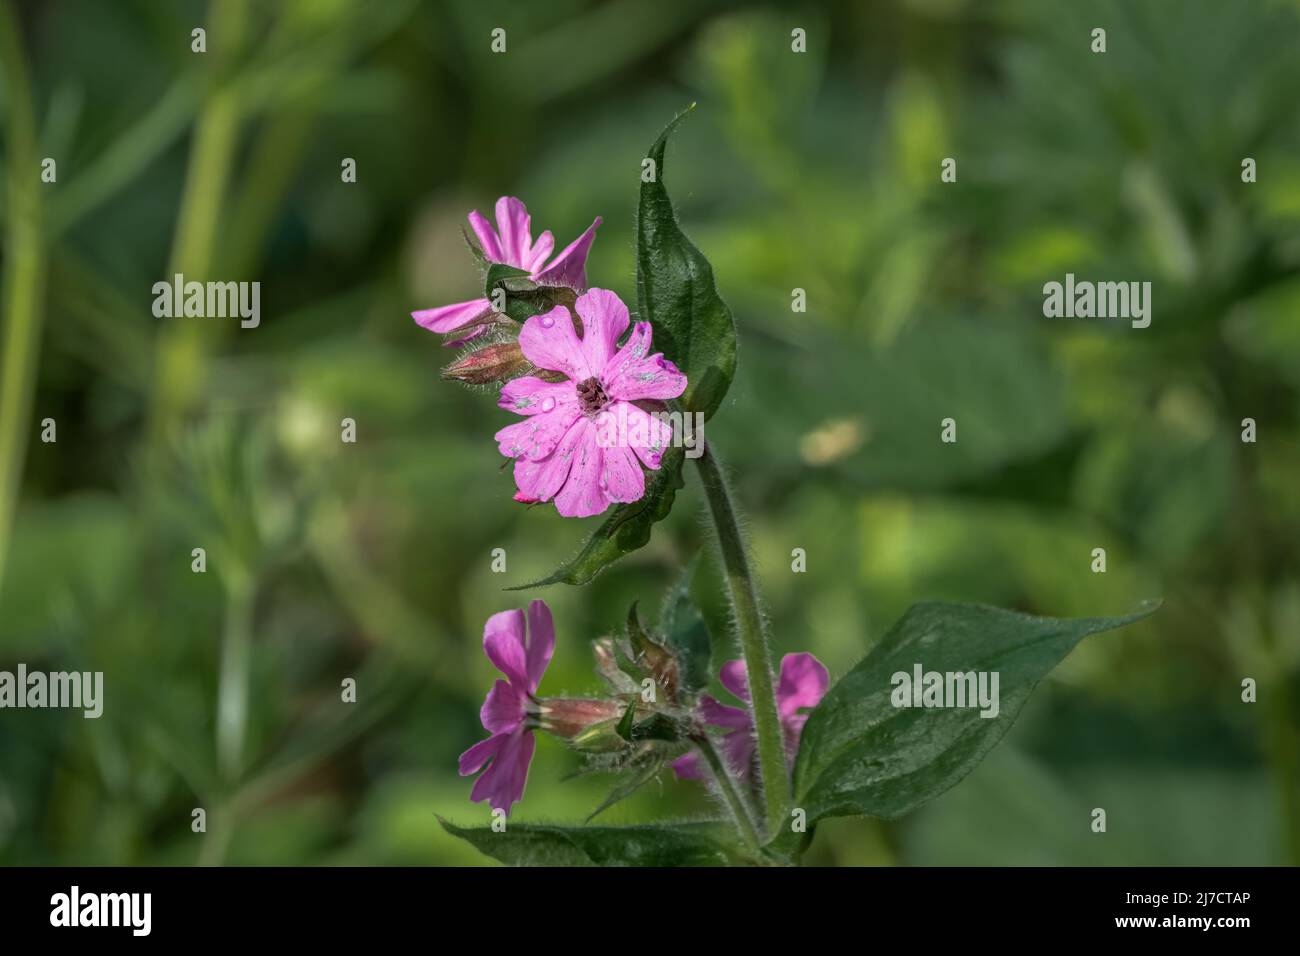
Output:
x=584 y=439
x=803 y=683
x=522 y=655
x=511 y=242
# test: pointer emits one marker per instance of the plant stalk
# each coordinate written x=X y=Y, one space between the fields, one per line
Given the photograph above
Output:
x=727 y=787
x=232 y=687
x=752 y=632
x=24 y=274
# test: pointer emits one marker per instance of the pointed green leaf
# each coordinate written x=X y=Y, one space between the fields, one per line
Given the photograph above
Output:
x=676 y=294
x=685 y=632
x=625 y=722
x=639 y=775
x=534 y=844
x=859 y=754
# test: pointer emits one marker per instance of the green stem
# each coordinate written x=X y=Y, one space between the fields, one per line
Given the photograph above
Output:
x=24 y=276
x=727 y=787
x=182 y=346
x=752 y=631
x=232 y=687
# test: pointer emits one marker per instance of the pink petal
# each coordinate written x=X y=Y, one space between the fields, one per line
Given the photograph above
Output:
x=738 y=747
x=527 y=395
x=550 y=341
x=687 y=767
x=541 y=642
x=631 y=375
x=720 y=715
x=623 y=478
x=793 y=727
x=734 y=678
x=487 y=237
x=448 y=318
x=569 y=268
x=536 y=437
x=804 y=680
x=503 y=709
x=604 y=320
x=502 y=785
x=640 y=431
x=503 y=642
x=540 y=250
x=472 y=760
x=515 y=228
x=582 y=495
x=542 y=480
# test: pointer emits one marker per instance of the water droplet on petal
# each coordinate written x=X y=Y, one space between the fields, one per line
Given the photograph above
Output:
x=547 y=321
x=548 y=404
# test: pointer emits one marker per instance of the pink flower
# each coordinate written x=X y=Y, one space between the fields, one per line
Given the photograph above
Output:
x=510 y=704
x=564 y=449
x=803 y=683
x=511 y=242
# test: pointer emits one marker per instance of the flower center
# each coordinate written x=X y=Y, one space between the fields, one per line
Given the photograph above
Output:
x=591 y=396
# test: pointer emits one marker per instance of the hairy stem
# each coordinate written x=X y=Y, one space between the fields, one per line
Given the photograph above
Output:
x=727 y=787
x=24 y=274
x=752 y=631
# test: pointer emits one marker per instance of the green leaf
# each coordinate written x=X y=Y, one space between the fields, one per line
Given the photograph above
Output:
x=859 y=754
x=685 y=631
x=625 y=530
x=533 y=844
x=638 y=776
x=524 y=298
x=676 y=294
x=625 y=723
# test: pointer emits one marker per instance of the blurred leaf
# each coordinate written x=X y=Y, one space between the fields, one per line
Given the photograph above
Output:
x=873 y=417
x=860 y=754
x=626 y=529
x=67 y=555
x=531 y=844
x=677 y=295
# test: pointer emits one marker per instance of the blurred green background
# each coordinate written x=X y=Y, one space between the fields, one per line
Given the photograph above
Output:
x=817 y=171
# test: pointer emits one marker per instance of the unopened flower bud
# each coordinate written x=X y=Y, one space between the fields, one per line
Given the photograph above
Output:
x=492 y=363
x=585 y=723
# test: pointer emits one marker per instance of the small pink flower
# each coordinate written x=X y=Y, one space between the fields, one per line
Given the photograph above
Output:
x=562 y=450
x=803 y=683
x=510 y=703
x=511 y=242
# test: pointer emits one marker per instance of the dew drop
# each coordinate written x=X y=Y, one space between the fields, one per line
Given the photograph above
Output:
x=548 y=404
x=547 y=321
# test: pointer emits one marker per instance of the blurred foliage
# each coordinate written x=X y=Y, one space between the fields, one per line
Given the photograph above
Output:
x=817 y=171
